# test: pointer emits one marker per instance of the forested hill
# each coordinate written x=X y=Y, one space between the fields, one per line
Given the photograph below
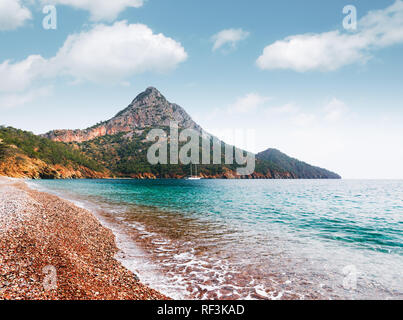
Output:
x=301 y=169
x=25 y=155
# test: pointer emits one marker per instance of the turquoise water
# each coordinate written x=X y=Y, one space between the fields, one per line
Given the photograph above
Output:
x=256 y=238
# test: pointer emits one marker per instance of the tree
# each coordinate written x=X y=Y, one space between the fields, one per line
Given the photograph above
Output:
x=3 y=151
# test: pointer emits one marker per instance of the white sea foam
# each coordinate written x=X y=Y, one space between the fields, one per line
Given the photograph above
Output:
x=251 y=262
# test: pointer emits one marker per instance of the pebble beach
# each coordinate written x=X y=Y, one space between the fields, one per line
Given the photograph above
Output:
x=52 y=250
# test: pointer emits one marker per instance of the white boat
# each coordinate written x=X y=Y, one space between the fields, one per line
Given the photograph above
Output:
x=193 y=177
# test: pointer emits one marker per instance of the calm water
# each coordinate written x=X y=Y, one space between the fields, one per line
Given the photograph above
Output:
x=263 y=239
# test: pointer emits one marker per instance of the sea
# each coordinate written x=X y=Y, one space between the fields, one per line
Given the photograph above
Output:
x=252 y=239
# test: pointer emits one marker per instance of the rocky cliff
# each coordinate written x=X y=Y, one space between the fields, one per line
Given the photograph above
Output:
x=24 y=155
x=148 y=109
x=22 y=166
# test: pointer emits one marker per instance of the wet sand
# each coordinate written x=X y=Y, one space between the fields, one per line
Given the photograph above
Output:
x=51 y=249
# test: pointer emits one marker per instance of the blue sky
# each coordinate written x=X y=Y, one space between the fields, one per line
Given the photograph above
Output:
x=326 y=95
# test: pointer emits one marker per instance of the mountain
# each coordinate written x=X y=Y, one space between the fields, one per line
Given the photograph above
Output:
x=120 y=145
x=25 y=155
x=148 y=109
x=300 y=169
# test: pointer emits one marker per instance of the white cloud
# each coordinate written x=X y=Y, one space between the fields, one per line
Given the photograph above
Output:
x=329 y=51
x=248 y=103
x=13 y=14
x=14 y=100
x=332 y=111
x=286 y=109
x=228 y=37
x=116 y=52
x=18 y=76
x=100 y=9
x=304 y=119
x=335 y=109
x=102 y=54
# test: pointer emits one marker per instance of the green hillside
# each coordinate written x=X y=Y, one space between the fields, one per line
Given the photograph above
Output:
x=301 y=169
x=23 y=151
x=126 y=156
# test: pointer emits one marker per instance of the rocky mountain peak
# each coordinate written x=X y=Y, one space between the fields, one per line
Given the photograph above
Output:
x=150 y=109
x=152 y=91
x=150 y=94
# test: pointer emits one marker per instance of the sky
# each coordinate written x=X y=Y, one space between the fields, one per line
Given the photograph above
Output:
x=305 y=77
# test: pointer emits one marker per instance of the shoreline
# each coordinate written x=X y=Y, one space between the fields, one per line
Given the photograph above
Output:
x=53 y=250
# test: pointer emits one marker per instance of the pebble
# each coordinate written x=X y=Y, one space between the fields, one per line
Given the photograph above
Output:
x=41 y=234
